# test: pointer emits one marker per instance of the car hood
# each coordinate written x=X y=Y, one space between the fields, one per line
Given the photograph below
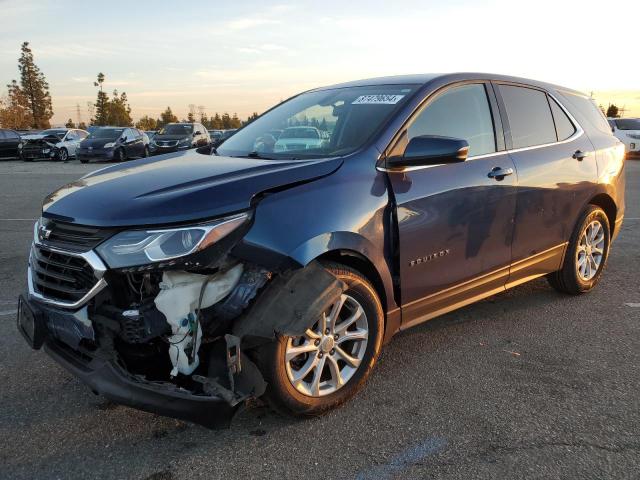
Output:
x=35 y=137
x=96 y=142
x=175 y=188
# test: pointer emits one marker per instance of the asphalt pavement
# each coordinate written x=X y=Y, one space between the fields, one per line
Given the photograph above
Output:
x=526 y=384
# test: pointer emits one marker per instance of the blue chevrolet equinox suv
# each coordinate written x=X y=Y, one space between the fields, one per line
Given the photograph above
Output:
x=188 y=283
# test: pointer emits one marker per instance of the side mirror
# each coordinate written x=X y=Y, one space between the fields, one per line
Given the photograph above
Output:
x=431 y=150
x=197 y=133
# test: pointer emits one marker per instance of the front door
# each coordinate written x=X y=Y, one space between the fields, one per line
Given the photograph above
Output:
x=455 y=220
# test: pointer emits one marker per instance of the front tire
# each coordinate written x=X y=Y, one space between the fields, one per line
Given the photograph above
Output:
x=120 y=156
x=63 y=155
x=145 y=153
x=318 y=371
x=586 y=254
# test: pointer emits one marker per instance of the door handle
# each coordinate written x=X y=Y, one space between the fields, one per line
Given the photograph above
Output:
x=579 y=155
x=499 y=173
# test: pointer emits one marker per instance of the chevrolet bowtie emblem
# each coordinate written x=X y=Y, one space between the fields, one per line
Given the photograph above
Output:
x=44 y=233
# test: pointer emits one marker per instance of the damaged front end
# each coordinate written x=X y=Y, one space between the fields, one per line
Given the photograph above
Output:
x=40 y=148
x=164 y=320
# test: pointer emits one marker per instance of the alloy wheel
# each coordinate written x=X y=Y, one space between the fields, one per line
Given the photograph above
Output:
x=590 y=251
x=326 y=357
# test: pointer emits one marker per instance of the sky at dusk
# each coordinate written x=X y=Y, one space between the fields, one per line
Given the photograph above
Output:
x=245 y=56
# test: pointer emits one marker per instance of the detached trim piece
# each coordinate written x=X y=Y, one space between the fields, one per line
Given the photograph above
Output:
x=291 y=303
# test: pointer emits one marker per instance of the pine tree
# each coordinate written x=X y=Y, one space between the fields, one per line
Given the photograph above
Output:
x=166 y=117
x=216 y=122
x=35 y=89
x=119 y=110
x=70 y=124
x=147 y=123
x=251 y=118
x=235 y=121
x=102 y=104
x=226 y=121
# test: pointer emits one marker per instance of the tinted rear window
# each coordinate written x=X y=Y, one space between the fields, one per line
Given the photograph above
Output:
x=589 y=110
x=564 y=127
x=529 y=116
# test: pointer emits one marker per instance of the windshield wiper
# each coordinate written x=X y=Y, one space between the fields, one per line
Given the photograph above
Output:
x=255 y=154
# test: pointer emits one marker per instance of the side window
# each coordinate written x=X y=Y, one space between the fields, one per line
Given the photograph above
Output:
x=587 y=108
x=3 y=135
x=460 y=112
x=82 y=135
x=529 y=116
x=71 y=136
x=564 y=127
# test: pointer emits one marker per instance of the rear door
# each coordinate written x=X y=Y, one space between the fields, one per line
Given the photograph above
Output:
x=454 y=221
x=556 y=170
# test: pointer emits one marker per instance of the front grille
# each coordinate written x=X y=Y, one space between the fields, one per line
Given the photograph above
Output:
x=35 y=151
x=60 y=276
x=72 y=237
x=167 y=143
x=296 y=146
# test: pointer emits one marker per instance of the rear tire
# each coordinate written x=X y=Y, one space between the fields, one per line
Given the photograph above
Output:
x=280 y=373
x=586 y=254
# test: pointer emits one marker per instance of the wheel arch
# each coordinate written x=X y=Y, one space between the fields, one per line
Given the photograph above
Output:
x=362 y=264
x=606 y=203
x=357 y=252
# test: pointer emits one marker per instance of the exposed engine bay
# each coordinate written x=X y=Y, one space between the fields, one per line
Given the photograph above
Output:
x=40 y=147
x=194 y=331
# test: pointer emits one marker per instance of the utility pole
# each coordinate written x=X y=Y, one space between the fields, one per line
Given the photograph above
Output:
x=78 y=114
x=201 y=109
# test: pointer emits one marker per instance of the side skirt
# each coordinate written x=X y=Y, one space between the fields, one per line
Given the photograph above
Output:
x=482 y=287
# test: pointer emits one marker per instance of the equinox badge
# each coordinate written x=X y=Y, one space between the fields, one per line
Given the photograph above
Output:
x=428 y=258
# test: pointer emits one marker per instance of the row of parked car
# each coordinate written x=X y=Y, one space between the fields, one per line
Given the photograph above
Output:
x=106 y=143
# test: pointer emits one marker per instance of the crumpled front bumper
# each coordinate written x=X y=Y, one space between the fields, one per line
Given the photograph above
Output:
x=107 y=378
x=112 y=382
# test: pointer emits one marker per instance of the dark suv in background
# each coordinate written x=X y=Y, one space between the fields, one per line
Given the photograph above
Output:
x=10 y=144
x=179 y=136
x=113 y=144
x=188 y=284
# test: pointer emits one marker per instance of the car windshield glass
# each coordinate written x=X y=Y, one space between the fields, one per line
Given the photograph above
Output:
x=176 y=130
x=318 y=124
x=628 y=124
x=107 y=133
x=58 y=133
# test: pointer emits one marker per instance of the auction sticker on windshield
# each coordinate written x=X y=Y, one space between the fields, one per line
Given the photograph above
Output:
x=377 y=99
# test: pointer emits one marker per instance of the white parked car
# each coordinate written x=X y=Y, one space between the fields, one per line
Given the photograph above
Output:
x=54 y=143
x=627 y=130
x=301 y=138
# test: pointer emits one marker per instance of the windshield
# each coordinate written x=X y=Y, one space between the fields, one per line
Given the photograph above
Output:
x=58 y=133
x=176 y=130
x=107 y=133
x=628 y=124
x=324 y=123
